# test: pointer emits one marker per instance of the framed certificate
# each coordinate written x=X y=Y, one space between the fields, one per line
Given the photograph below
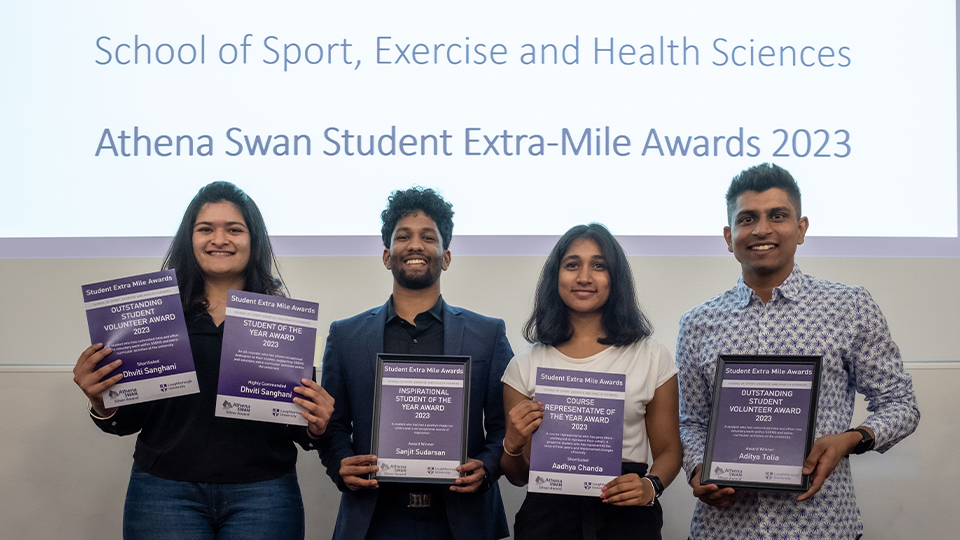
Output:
x=762 y=422
x=420 y=415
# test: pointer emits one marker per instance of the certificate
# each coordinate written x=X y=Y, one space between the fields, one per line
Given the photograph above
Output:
x=578 y=447
x=268 y=347
x=762 y=422
x=141 y=319
x=420 y=417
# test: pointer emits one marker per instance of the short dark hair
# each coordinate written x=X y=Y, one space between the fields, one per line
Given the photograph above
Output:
x=258 y=277
x=623 y=320
x=402 y=203
x=760 y=178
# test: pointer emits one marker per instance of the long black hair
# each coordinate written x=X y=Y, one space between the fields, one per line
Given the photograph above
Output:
x=258 y=276
x=623 y=320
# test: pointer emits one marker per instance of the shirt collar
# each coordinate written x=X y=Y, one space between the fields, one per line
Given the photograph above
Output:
x=789 y=289
x=436 y=311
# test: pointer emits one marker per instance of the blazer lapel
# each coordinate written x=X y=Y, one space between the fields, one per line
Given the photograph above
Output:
x=452 y=329
x=373 y=337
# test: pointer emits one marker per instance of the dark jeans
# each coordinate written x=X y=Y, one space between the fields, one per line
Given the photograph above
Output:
x=158 y=509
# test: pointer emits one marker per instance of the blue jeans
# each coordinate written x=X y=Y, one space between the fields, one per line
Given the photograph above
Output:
x=158 y=509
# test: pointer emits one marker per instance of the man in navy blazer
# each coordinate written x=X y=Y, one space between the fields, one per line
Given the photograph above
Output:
x=417 y=228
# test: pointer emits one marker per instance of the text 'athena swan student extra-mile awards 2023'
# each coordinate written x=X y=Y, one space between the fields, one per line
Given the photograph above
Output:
x=578 y=447
x=268 y=347
x=141 y=319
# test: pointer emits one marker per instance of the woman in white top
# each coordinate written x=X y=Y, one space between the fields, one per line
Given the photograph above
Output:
x=586 y=317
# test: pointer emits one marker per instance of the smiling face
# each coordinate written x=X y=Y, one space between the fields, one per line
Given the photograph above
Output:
x=764 y=235
x=416 y=255
x=584 y=282
x=221 y=241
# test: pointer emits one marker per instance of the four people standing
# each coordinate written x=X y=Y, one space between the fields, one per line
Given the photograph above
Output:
x=586 y=317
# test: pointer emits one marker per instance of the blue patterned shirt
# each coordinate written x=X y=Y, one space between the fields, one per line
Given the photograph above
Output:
x=805 y=316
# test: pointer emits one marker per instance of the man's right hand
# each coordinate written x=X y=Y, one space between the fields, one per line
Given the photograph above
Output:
x=353 y=469
x=711 y=494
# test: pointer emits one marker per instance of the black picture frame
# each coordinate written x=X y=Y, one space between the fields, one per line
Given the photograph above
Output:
x=396 y=360
x=728 y=368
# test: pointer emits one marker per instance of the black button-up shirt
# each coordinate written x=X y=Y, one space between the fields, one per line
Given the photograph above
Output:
x=424 y=336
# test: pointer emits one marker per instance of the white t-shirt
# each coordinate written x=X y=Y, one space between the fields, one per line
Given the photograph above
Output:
x=647 y=365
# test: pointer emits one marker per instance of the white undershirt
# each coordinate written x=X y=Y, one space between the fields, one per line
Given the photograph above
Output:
x=647 y=364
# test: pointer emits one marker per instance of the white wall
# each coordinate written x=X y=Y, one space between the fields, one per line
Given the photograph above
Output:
x=61 y=478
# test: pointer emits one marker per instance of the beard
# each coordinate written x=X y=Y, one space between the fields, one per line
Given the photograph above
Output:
x=418 y=281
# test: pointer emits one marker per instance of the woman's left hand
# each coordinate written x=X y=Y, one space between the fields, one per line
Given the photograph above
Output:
x=628 y=490
x=318 y=406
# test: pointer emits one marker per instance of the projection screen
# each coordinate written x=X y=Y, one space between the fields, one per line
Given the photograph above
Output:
x=529 y=116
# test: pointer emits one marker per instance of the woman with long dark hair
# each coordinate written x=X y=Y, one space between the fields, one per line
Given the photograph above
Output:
x=196 y=475
x=586 y=317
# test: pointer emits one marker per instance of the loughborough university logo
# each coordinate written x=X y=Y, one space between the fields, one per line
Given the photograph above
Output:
x=283 y=413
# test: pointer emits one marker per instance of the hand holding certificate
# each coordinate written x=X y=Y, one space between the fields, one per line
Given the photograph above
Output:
x=141 y=319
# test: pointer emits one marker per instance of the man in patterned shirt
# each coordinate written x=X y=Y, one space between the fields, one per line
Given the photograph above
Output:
x=776 y=309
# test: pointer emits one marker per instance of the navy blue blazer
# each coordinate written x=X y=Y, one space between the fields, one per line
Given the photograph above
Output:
x=349 y=375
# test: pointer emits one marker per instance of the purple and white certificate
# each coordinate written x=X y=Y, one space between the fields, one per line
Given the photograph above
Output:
x=141 y=319
x=268 y=346
x=419 y=418
x=578 y=447
x=762 y=422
